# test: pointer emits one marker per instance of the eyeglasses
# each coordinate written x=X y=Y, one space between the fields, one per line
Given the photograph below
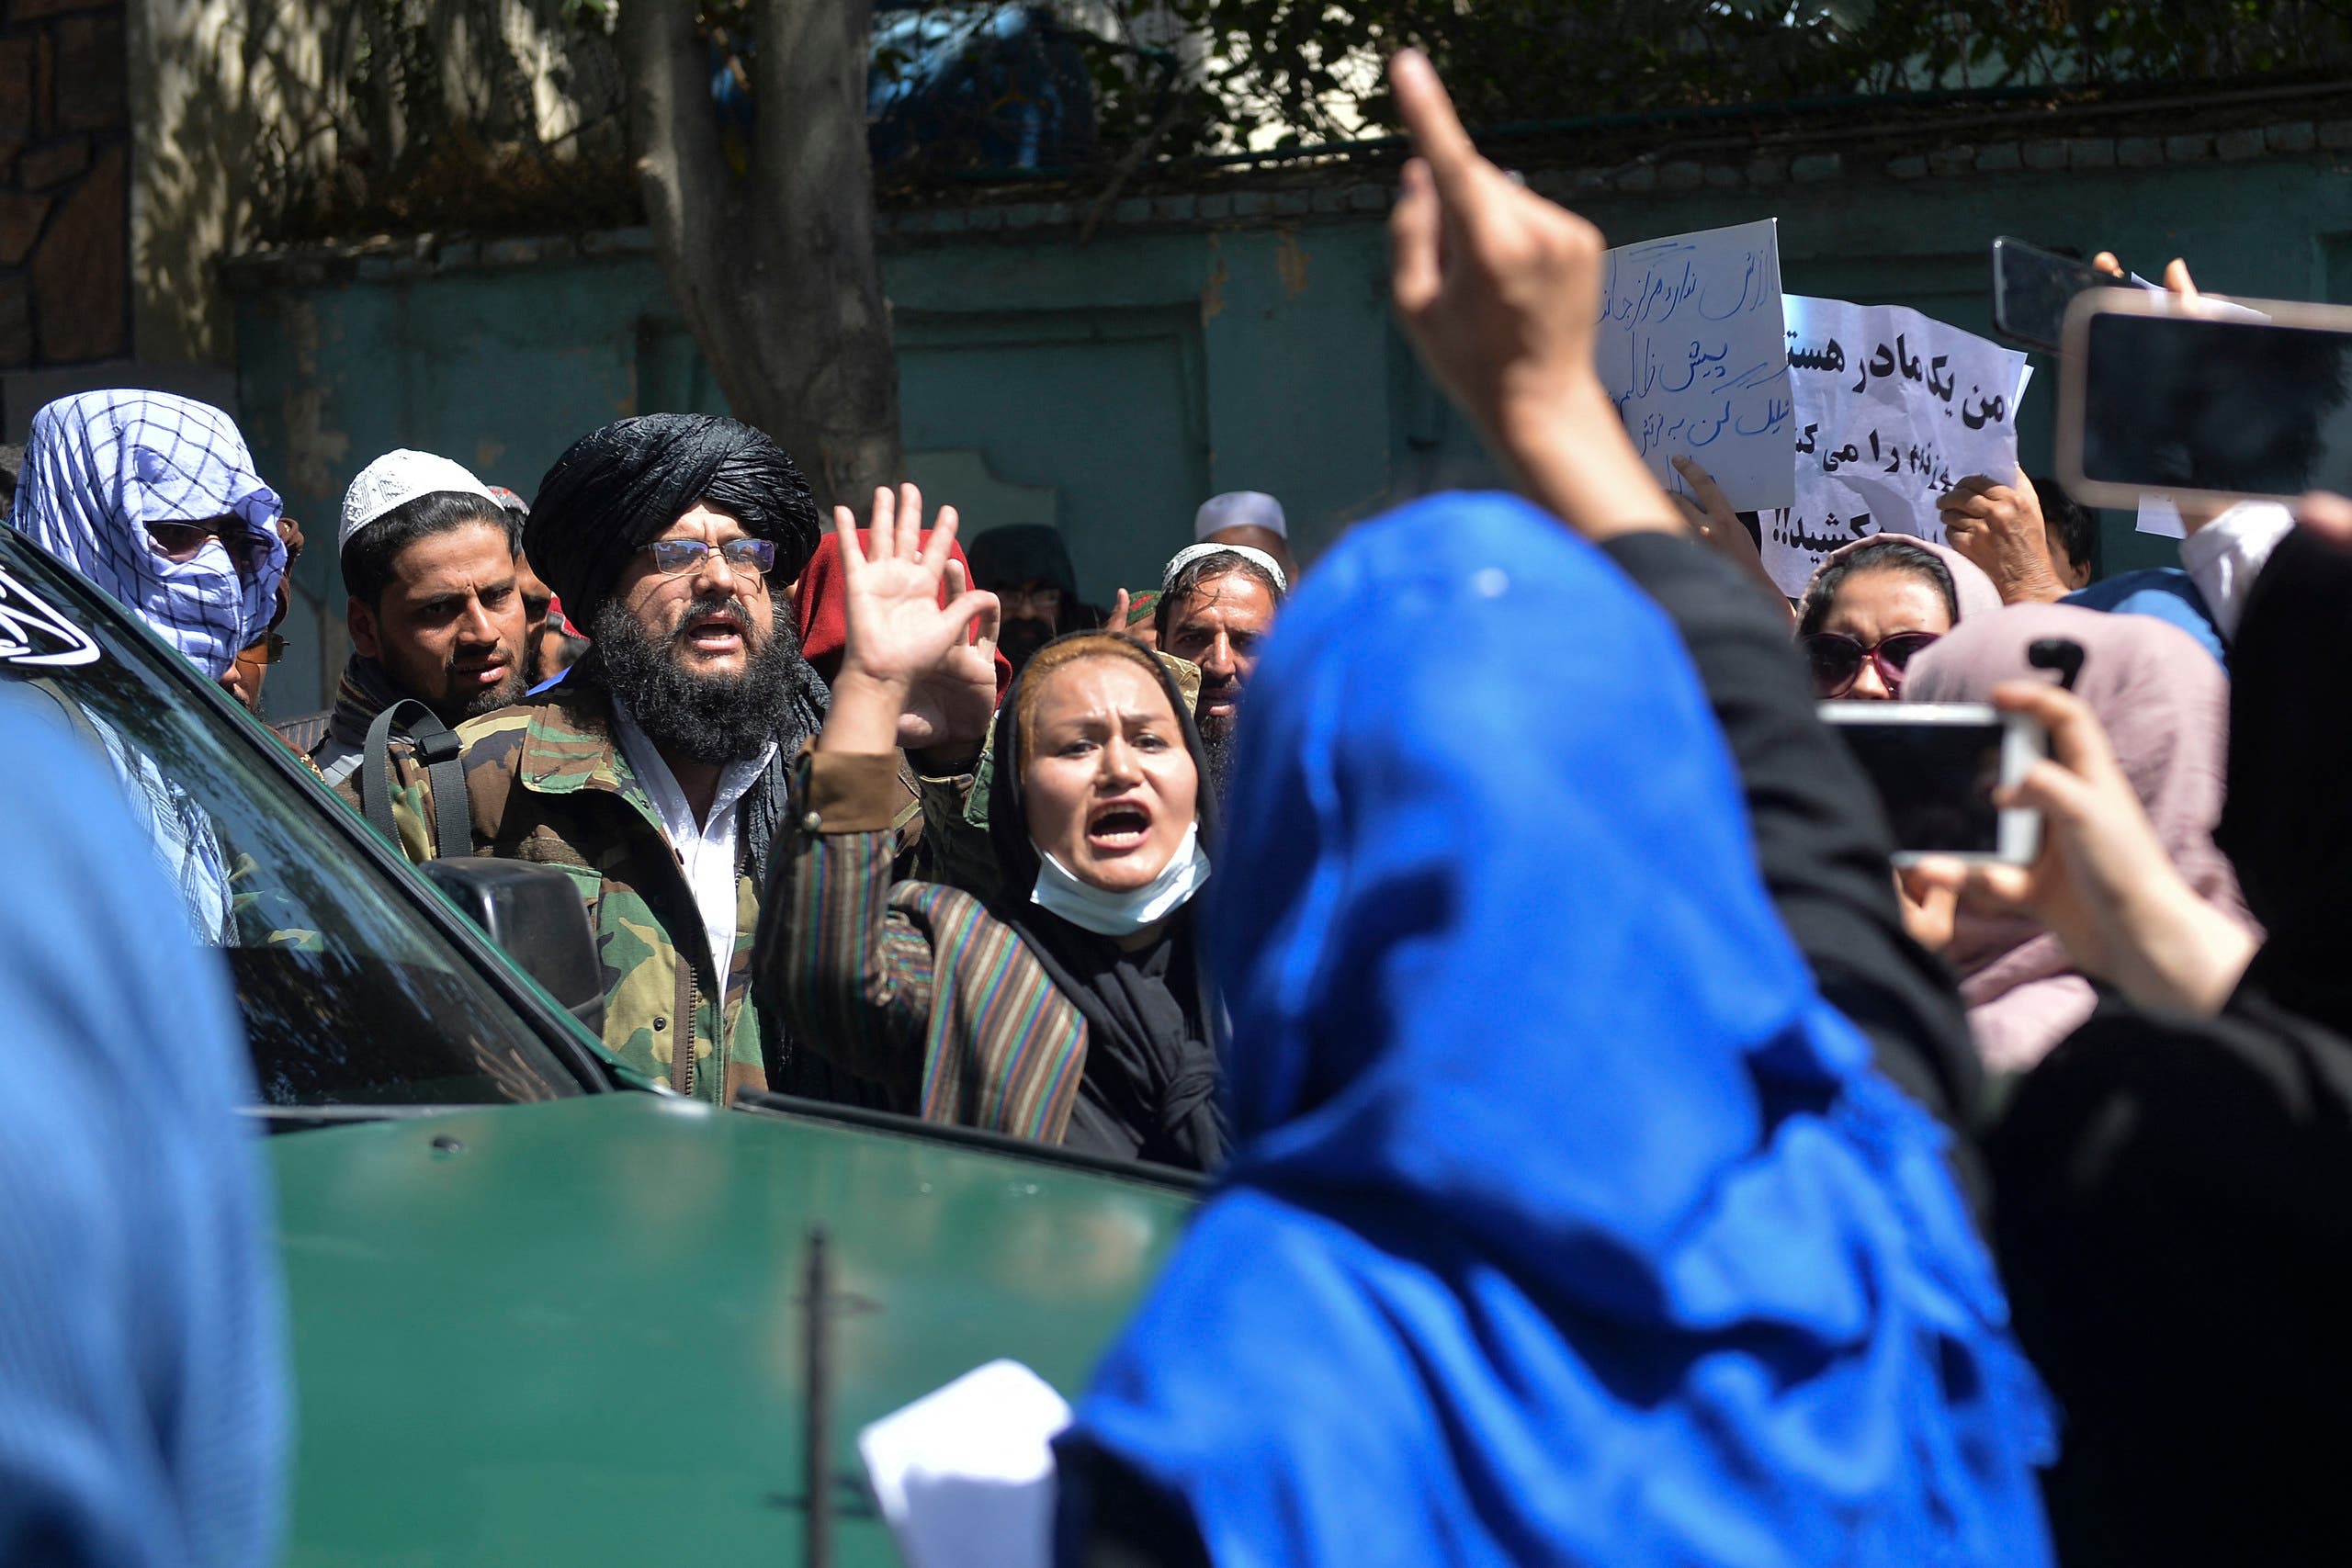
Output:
x=181 y=541
x=268 y=650
x=1835 y=659
x=676 y=557
x=1048 y=600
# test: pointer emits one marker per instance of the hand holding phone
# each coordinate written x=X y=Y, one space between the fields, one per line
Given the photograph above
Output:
x=1940 y=770
x=2100 y=879
x=2032 y=287
x=2208 y=401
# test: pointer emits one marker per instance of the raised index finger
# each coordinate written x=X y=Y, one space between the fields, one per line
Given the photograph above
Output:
x=1702 y=485
x=1436 y=131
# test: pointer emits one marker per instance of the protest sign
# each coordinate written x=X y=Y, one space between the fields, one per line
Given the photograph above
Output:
x=1691 y=347
x=1892 y=408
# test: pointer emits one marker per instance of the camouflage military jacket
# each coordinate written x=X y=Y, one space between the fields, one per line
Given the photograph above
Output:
x=548 y=783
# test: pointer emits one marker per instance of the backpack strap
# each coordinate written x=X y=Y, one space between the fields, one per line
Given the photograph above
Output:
x=437 y=749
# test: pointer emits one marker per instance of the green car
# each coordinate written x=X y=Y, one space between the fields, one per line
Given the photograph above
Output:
x=543 y=1311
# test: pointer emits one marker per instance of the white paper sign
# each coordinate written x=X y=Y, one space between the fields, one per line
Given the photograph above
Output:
x=1892 y=408
x=1692 y=346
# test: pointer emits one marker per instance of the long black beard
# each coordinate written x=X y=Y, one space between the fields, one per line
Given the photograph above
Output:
x=708 y=718
x=1216 y=745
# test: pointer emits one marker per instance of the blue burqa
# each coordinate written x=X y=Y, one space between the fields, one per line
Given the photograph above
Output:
x=1568 y=1224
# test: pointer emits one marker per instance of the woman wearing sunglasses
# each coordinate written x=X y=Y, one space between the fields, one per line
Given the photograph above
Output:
x=1875 y=604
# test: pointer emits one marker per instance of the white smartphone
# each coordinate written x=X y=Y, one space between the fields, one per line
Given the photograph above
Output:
x=1936 y=766
x=2207 y=401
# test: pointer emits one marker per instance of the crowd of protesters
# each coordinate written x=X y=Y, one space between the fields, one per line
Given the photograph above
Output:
x=1616 y=1161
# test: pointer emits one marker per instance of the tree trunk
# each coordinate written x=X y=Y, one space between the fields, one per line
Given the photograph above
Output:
x=775 y=271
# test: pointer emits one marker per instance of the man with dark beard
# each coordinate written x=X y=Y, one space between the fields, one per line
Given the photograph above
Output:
x=656 y=771
x=1027 y=567
x=1216 y=606
x=434 y=612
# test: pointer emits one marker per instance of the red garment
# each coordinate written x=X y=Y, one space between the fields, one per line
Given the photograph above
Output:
x=822 y=607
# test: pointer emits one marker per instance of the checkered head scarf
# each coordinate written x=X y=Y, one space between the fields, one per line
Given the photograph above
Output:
x=100 y=467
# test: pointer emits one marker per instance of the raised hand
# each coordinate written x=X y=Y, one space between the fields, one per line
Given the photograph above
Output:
x=1499 y=291
x=1999 y=527
x=1711 y=516
x=915 y=673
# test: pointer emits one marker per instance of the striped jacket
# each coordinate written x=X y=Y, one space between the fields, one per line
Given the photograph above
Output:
x=547 y=782
x=910 y=984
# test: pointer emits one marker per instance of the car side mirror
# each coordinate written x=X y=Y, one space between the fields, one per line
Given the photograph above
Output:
x=536 y=917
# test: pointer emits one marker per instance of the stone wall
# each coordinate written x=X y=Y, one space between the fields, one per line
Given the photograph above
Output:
x=64 y=200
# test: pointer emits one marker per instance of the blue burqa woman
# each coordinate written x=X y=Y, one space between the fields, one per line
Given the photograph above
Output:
x=1568 y=1224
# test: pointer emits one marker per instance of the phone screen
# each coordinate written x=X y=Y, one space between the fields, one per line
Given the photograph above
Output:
x=2032 y=287
x=1935 y=780
x=2246 y=407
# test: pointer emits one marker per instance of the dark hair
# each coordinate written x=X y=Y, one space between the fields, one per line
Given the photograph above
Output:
x=1889 y=552
x=369 y=558
x=1197 y=574
x=2076 y=529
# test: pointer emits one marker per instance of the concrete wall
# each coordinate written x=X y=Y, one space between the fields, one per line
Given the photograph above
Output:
x=1234 y=340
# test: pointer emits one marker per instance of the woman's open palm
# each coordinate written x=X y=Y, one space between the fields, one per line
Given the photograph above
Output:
x=899 y=634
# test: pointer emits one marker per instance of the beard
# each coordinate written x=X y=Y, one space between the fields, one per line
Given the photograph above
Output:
x=703 y=718
x=1216 y=744
x=1021 y=636
x=449 y=691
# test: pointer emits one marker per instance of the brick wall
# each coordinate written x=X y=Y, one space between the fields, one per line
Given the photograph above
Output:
x=64 y=205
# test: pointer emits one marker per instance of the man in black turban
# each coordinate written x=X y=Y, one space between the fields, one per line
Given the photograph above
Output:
x=656 y=770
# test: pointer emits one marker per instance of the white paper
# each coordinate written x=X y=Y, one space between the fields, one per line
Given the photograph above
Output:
x=1691 y=347
x=2159 y=517
x=966 y=1473
x=1892 y=408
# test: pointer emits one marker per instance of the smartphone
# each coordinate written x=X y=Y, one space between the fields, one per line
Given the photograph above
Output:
x=2208 y=401
x=1936 y=766
x=2032 y=287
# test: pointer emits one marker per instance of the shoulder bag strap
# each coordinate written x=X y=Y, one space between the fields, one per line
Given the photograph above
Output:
x=436 y=748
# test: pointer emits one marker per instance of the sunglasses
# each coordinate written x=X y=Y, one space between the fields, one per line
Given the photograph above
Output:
x=181 y=541
x=1835 y=659
x=268 y=650
x=675 y=557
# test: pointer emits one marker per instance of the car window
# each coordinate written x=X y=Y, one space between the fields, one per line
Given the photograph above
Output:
x=350 y=996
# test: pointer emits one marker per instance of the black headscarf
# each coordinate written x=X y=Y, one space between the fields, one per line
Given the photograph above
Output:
x=1154 y=1027
x=2283 y=824
x=2170 y=1218
x=1022 y=552
x=622 y=486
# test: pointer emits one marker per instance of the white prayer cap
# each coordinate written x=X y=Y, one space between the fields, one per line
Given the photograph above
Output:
x=1239 y=508
x=1190 y=553
x=397 y=478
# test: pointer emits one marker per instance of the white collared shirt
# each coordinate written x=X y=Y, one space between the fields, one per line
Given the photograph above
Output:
x=2224 y=557
x=706 y=849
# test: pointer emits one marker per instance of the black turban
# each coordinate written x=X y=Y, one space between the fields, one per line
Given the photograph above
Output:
x=623 y=486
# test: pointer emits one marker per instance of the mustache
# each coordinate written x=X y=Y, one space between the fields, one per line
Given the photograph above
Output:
x=717 y=606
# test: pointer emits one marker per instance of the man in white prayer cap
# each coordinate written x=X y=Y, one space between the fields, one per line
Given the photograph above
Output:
x=1217 y=608
x=1245 y=517
x=430 y=559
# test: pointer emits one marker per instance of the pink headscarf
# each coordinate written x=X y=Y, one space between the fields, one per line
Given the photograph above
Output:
x=2164 y=704
x=1971 y=588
